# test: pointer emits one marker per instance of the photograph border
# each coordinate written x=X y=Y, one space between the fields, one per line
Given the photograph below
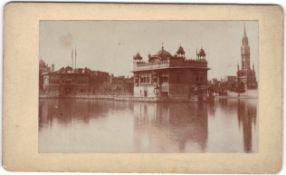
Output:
x=20 y=110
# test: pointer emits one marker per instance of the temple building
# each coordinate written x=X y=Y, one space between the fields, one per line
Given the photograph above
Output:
x=170 y=76
x=245 y=74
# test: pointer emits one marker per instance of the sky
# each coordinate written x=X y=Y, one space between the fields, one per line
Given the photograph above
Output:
x=110 y=45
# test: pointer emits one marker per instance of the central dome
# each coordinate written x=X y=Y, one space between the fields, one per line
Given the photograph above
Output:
x=163 y=54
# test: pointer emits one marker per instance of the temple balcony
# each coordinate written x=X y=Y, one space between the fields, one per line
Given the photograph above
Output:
x=171 y=63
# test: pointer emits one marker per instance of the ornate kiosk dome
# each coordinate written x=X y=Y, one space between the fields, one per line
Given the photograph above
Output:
x=180 y=50
x=137 y=57
x=202 y=53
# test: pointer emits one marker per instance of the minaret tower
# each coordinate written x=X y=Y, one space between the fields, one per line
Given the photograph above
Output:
x=245 y=52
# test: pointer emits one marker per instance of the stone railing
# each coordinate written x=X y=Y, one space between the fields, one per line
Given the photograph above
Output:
x=149 y=66
x=141 y=66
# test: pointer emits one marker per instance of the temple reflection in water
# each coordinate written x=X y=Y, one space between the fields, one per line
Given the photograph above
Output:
x=175 y=125
x=74 y=125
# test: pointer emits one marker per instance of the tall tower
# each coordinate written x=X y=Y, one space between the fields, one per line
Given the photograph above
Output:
x=245 y=75
x=245 y=52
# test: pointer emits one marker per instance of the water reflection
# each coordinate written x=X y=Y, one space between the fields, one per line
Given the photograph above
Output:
x=169 y=127
x=247 y=119
x=74 y=125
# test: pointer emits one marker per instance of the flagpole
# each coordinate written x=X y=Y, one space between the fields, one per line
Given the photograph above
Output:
x=75 y=58
x=72 y=58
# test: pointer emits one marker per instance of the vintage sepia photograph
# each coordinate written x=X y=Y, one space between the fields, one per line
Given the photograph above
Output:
x=142 y=88
x=148 y=86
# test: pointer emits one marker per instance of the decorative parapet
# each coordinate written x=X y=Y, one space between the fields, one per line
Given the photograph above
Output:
x=172 y=63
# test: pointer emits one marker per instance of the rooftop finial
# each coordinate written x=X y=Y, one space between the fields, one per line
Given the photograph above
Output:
x=162 y=45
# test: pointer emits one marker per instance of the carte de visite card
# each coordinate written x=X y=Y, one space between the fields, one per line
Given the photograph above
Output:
x=178 y=88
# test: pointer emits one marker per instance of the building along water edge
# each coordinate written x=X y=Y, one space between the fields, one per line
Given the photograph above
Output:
x=162 y=77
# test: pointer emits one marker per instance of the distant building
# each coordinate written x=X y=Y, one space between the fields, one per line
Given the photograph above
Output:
x=70 y=82
x=246 y=75
x=121 y=85
x=172 y=76
x=74 y=82
x=231 y=82
x=43 y=68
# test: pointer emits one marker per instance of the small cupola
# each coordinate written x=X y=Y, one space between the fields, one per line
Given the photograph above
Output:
x=180 y=52
x=201 y=54
x=137 y=57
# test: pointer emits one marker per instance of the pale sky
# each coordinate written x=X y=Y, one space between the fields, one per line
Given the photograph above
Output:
x=110 y=45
